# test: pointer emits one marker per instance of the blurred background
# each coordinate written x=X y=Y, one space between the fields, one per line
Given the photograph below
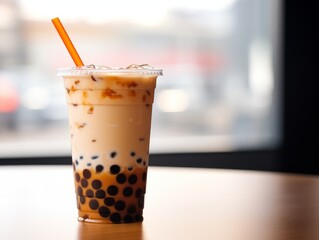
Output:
x=221 y=89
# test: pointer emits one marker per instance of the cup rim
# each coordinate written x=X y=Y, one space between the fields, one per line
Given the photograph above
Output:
x=87 y=70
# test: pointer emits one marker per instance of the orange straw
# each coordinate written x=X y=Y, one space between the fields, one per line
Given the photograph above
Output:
x=67 y=42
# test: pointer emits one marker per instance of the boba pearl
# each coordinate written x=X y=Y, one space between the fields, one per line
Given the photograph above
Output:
x=132 y=179
x=132 y=154
x=77 y=177
x=139 y=160
x=87 y=173
x=131 y=209
x=141 y=202
x=94 y=157
x=96 y=184
x=109 y=201
x=84 y=182
x=120 y=205
x=82 y=199
x=121 y=178
x=89 y=193
x=104 y=212
x=138 y=193
x=144 y=176
x=94 y=204
x=138 y=218
x=112 y=190
x=113 y=154
x=128 y=191
x=115 y=217
x=128 y=219
x=79 y=191
x=100 y=194
x=115 y=169
x=99 y=168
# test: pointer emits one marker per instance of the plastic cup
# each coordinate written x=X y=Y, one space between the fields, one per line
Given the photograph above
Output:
x=110 y=120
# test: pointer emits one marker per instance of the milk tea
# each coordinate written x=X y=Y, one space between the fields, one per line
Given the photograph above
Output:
x=110 y=121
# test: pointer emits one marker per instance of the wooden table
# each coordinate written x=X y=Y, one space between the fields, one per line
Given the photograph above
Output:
x=38 y=202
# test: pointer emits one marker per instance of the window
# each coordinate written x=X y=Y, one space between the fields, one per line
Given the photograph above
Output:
x=220 y=90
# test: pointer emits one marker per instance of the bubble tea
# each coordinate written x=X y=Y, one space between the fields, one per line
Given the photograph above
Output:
x=110 y=120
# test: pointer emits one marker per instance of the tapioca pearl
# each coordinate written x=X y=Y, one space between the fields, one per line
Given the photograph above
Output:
x=94 y=157
x=99 y=168
x=89 y=164
x=87 y=173
x=100 y=193
x=144 y=176
x=120 y=205
x=73 y=166
x=138 y=218
x=112 y=190
x=77 y=177
x=89 y=193
x=113 y=154
x=79 y=190
x=132 y=154
x=76 y=162
x=121 y=178
x=81 y=157
x=82 y=199
x=132 y=179
x=128 y=219
x=104 y=211
x=115 y=169
x=131 y=209
x=109 y=201
x=84 y=182
x=141 y=202
x=94 y=204
x=144 y=163
x=130 y=168
x=139 y=160
x=128 y=191
x=138 y=193
x=115 y=217
x=96 y=184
